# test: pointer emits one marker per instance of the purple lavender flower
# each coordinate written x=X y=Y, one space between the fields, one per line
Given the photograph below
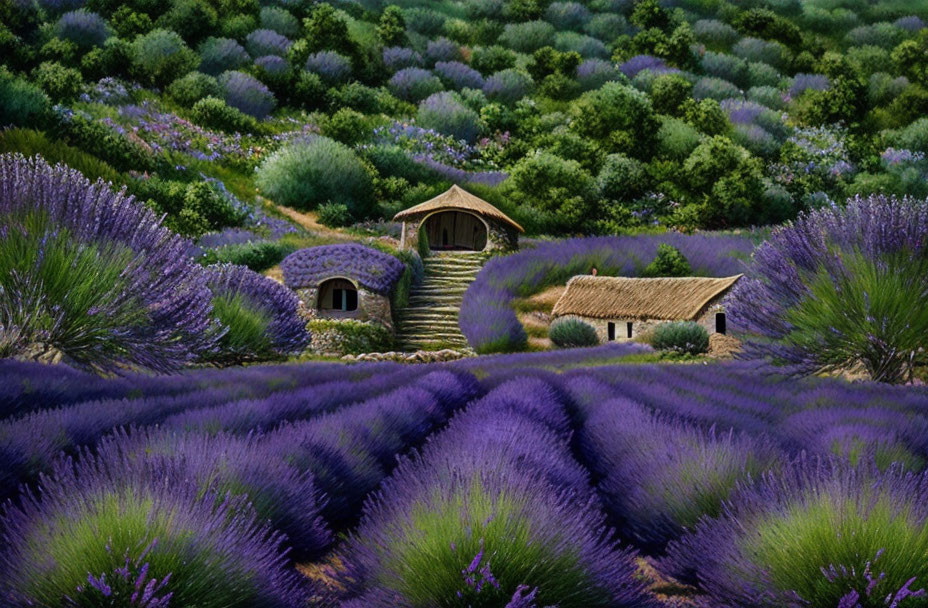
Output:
x=218 y=55
x=594 y=73
x=442 y=49
x=414 y=84
x=330 y=66
x=508 y=86
x=805 y=82
x=267 y=42
x=639 y=63
x=248 y=94
x=83 y=28
x=396 y=58
x=372 y=269
x=456 y=75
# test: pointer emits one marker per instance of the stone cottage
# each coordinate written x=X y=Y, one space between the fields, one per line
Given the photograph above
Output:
x=344 y=281
x=622 y=308
x=458 y=220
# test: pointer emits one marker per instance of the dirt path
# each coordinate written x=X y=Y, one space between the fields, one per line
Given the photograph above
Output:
x=309 y=221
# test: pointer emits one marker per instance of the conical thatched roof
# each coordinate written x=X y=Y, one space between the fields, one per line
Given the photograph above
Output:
x=668 y=299
x=458 y=198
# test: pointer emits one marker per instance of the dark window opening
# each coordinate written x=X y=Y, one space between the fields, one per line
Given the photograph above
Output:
x=720 y=323
x=611 y=328
x=628 y=329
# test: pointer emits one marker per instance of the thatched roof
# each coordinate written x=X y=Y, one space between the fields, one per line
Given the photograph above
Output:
x=669 y=299
x=458 y=198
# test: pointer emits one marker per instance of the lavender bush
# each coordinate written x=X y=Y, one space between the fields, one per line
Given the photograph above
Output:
x=820 y=534
x=414 y=84
x=247 y=94
x=90 y=273
x=827 y=291
x=83 y=28
x=396 y=58
x=639 y=63
x=480 y=513
x=594 y=73
x=442 y=49
x=110 y=526
x=508 y=86
x=332 y=67
x=456 y=75
x=260 y=316
x=218 y=55
x=444 y=112
x=267 y=42
x=373 y=269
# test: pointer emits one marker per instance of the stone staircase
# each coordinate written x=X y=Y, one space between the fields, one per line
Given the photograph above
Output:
x=430 y=321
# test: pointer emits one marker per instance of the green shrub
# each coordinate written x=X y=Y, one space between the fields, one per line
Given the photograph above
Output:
x=246 y=325
x=212 y=112
x=681 y=336
x=21 y=103
x=216 y=209
x=307 y=173
x=351 y=337
x=29 y=142
x=669 y=262
x=571 y=333
x=189 y=89
x=115 y=148
x=256 y=255
x=161 y=56
x=334 y=215
x=347 y=126
x=412 y=275
x=61 y=83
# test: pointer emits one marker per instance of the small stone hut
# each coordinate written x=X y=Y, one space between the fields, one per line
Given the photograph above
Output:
x=622 y=308
x=458 y=220
x=344 y=281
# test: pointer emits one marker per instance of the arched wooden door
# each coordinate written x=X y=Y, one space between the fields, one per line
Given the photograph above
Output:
x=449 y=230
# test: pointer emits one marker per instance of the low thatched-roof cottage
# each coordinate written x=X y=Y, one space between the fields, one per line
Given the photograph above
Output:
x=621 y=308
x=458 y=220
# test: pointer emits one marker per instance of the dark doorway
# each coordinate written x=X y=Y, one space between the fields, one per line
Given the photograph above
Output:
x=611 y=331
x=628 y=329
x=456 y=230
x=720 y=323
x=337 y=296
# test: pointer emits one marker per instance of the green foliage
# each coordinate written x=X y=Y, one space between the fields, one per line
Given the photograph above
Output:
x=561 y=190
x=392 y=27
x=257 y=255
x=865 y=314
x=618 y=116
x=128 y=23
x=353 y=337
x=669 y=262
x=29 y=142
x=334 y=215
x=189 y=89
x=684 y=337
x=572 y=333
x=75 y=278
x=729 y=180
x=203 y=199
x=246 y=337
x=707 y=116
x=161 y=56
x=622 y=178
x=347 y=126
x=21 y=103
x=325 y=30
x=194 y=20
x=114 y=148
x=60 y=83
x=306 y=174
x=669 y=92
x=214 y=113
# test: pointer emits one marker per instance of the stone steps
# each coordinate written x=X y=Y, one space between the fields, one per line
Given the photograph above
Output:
x=431 y=319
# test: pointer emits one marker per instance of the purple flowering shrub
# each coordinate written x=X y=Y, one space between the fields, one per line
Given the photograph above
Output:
x=247 y=94
x=267 y=42
x=508 y=86
x=332 y=67
x=820 y=533
x=94 y=275
x=442 y=49
x=397 y=57
x=456 y=75
x=259 y=316
x=444 y=112
x=106 y=521
x=639 y=63
x=83 y=28
x=218 y=55
x=715 y=88
x=806 y=82
x=490 y=324
x=492 y=505
x=414 y=84
x=828 y=290
x=594 y=73
x=372 y=269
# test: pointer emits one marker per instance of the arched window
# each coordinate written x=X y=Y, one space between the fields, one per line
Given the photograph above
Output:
x=337 y=296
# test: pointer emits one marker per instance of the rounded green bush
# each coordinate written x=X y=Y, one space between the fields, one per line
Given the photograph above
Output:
x=189 y=89
x=570 y=333
x=310 y=172
x=160 y=56
x=681 y=336
x=214 y=113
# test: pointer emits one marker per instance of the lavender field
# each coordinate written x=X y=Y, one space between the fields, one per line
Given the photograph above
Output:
x=561 y=478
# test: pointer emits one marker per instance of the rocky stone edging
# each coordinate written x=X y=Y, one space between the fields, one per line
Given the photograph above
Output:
x=420 y=356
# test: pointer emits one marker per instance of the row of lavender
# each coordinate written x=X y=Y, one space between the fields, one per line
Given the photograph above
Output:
x=488 y=320
x=212 y=501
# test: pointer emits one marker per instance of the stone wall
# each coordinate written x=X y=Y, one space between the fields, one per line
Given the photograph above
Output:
x=372 y=307
x=641 y=327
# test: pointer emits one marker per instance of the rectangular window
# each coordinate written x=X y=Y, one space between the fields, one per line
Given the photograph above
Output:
x=720 y=323
x=628 y=329
x=338 y=299
x=351 y=299
x=611 y=332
